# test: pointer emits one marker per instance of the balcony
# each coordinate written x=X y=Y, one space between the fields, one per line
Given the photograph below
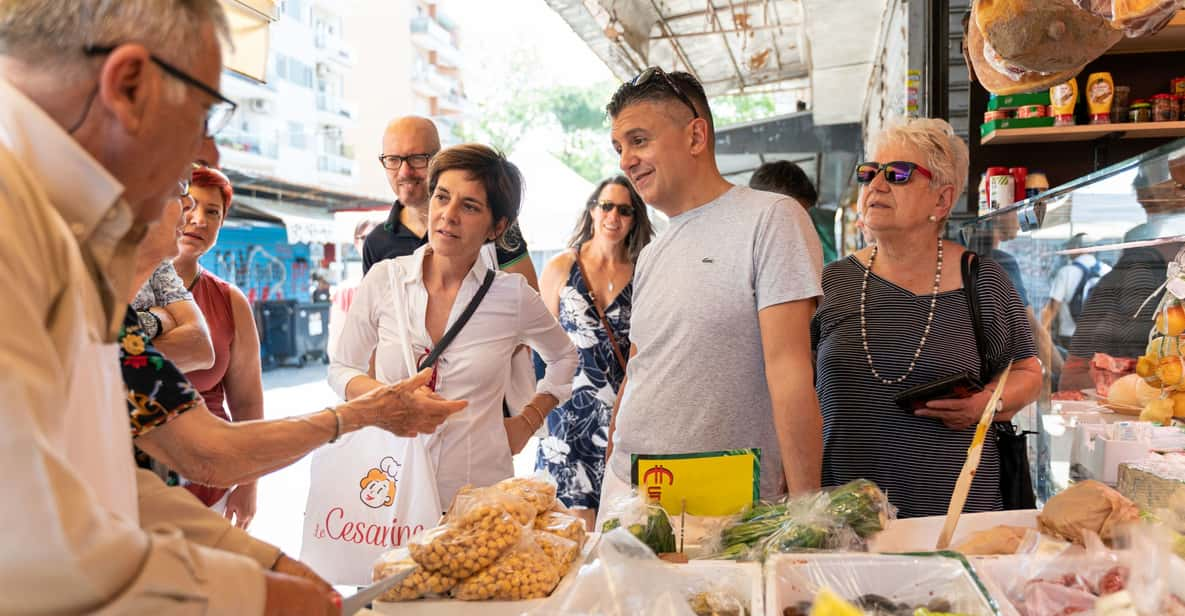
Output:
x=453 y=103
x=334 y=49
x=247 y=152
x=334 y=164
x=240 y=89
x=429 y=35
x=333 y=109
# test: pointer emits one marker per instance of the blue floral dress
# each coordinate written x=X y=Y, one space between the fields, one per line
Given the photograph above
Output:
x=578 y=431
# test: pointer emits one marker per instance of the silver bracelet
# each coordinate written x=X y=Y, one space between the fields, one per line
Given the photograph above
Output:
x=337 y=416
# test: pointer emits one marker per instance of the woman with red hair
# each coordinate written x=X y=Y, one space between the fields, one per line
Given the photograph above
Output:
x=232 y=388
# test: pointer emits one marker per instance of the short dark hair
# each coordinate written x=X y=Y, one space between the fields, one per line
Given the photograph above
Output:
x=502 y=180
x=657 y=89
x=787 y=178
x=640 y=234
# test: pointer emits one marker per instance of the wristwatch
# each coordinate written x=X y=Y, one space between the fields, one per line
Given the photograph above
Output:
x=150 y=323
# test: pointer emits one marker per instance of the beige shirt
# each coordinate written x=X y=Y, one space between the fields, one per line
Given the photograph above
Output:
x=71 y=540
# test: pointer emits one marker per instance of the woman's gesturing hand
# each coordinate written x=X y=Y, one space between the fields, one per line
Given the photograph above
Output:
x=406 y=408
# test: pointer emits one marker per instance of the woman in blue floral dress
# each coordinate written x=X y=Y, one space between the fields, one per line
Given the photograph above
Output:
x=585 y=288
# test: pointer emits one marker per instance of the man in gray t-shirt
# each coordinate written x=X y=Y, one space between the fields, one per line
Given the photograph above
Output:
x=722 y=300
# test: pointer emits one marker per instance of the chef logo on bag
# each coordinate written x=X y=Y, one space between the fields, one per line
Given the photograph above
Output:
x=378 y=486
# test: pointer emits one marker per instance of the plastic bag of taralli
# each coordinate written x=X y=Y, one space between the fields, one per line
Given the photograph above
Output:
x=625 y=579
x=1140 y=576
x=528 y=571
x=483 y=525
x=421 y=583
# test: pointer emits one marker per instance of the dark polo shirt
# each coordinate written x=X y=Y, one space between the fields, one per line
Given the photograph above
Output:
x=391 y=239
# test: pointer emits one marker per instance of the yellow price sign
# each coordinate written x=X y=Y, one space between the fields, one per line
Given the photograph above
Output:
x=713 y=483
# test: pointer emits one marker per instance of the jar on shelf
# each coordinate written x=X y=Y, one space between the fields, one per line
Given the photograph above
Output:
x=1162 y=108
x=1141 y=111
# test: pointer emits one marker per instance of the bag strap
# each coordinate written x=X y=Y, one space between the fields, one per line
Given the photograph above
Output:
x=970 y=271
x=600 y=313
x=452 y=332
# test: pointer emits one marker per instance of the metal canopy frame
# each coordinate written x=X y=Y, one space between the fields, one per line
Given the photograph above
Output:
x=735 y=46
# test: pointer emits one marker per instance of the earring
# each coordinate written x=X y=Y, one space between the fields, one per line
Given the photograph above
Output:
x=932 y=218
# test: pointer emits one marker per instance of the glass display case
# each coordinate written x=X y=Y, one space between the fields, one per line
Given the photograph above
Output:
x=1090 y=259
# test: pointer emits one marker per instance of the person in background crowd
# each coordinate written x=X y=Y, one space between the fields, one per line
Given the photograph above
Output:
x=786 y=178
x=233 y=387
x=101 y=113
x=1071 y=286
x=344 y=296
x=590 y=290
x=720 y=355
x=169 y=316
x=1112 y=330
x=321 y=289
x=407 y=304
x=408 y=145
x=893 y=317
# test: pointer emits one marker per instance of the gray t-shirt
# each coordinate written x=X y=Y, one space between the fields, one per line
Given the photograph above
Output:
x=698 y=381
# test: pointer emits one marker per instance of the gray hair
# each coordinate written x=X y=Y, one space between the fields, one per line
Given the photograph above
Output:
x=52 y=33
x=945 y=153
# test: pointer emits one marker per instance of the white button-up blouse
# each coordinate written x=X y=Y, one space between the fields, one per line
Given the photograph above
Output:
x=471 y=446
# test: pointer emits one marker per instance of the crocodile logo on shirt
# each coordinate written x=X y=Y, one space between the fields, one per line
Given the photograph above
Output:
x=707 y=260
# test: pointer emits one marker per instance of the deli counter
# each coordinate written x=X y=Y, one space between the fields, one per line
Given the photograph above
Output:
x=1090 y=260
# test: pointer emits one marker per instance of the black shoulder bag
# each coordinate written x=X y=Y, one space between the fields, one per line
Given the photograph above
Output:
x=452 y=332
x=1016 y=483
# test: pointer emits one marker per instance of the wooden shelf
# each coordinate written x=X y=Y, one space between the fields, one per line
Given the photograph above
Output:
x=1172 y=38
x=1089 y=132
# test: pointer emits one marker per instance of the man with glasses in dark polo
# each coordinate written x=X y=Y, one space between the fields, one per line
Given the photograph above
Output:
x=409 y=143
x=721 y=353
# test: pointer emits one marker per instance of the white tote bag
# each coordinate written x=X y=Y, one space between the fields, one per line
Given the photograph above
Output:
x=368 y=493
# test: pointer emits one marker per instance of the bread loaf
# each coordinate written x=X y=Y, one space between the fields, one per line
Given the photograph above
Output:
x=1045 y=36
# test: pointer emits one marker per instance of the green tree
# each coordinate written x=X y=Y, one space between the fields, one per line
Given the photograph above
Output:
x=739 y=108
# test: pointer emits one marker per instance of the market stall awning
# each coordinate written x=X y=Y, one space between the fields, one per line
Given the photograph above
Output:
x=733 y=46
x=250 y=35
x=304 y=223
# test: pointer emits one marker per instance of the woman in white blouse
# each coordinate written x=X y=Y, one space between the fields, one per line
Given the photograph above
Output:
x=412 y=301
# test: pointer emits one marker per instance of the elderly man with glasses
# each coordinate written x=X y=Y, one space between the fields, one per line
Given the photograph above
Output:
x=720 y=331
x=101 y=113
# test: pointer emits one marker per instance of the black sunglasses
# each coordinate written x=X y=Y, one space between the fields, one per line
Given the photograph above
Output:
x=217 y=116
x=896 y=171
x=625 y=209
x=648 y=74
x=395 y=161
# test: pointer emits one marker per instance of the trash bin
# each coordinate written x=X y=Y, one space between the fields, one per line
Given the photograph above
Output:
x=277 y=339
x=310 y=328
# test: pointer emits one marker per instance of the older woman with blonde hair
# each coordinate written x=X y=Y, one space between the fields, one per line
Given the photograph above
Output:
x=894 y=316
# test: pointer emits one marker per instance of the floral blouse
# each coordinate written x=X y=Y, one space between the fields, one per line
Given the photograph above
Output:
x=157 y=390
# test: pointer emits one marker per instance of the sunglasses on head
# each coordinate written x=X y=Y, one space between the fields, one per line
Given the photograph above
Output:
x=896 y=171
x=654 y=71
x=625 y=209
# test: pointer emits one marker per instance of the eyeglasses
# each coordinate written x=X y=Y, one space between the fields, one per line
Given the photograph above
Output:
x=625 y=209
x=896 y=171
x=648 y=74
x=395 y=161
x=217 y=115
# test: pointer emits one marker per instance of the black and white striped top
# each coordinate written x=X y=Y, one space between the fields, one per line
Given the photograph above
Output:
x=915 y=460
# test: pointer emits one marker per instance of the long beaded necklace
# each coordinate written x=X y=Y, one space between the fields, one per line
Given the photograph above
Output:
x=929 y=318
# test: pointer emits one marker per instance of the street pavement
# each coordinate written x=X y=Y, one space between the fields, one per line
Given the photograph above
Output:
x=279 y=515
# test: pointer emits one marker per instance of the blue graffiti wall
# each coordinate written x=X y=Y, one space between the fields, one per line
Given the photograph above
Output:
x=257 y=258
